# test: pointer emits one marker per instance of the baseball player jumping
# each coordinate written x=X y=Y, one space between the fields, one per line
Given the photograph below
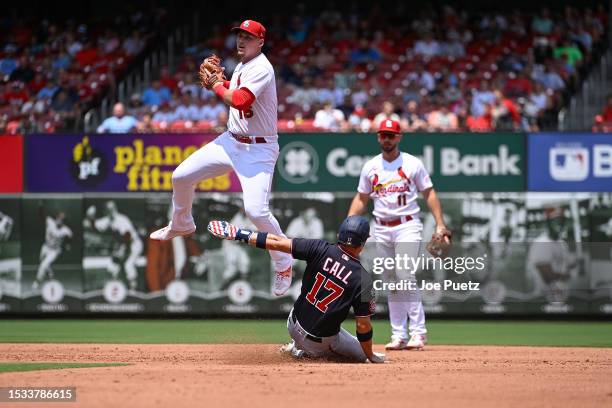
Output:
x=334 y=281
x=249 y=147
x=393 y=179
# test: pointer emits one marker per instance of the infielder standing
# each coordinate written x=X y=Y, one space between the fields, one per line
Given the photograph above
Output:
x=334 y=281
x=55 y=234
x=249 y=147
x=392 y=179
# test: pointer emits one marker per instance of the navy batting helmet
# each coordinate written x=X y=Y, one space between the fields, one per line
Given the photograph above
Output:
x=354 y=231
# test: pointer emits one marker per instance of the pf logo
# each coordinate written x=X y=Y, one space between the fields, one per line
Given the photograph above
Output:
x=389 y=123
x=246 y=23
x=569 y=163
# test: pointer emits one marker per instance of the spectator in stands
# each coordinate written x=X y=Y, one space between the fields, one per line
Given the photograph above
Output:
x=146 y=124
x=542 y=24
x=135 y=106
x=427 y=47
x=164 y=114
x=603 y=121
x=453 y=47
x=119 y=122
x=537 y=103
x=359 y=95
x=16 y=95
x=134 y=44
x=87 y=55
x=23 y=72
x=483 y=123
x=606 y=115
x=62 y=61
x=569 y=51
x=412 y=92
x=364 y=53
x=191 y=87
x=411 y=120
x=216 y=109
x=481 y=98
x=518 y=85
x=48 y=91
x=73 y=45
x=505 y=113
x=221 y=122
x=8 y=64
x=37 y=83
x=550 y=79
x=167 y=80
x=329 y=118
x=156 y=94
x=187 y=109
x=298 y=31
x=388 y=112
x=422 y=77
x=358 y=121
x=442 y=120
x=64 y=107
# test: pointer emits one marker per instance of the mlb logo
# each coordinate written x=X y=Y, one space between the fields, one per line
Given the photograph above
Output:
x=569 y=163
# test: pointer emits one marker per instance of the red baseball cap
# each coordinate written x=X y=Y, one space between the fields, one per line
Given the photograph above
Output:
x=252 y=27
x=389 y=126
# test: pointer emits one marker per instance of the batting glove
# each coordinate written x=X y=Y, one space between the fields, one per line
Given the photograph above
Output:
x=225 y=230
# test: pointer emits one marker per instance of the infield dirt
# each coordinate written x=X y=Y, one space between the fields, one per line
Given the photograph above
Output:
x=259 y=376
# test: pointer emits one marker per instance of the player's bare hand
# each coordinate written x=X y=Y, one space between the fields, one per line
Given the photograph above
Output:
x=378 y=358
x=444 y=232
x=222 y=229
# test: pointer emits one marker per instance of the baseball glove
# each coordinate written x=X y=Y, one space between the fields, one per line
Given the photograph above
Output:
x=440 y=243
x=211 y=72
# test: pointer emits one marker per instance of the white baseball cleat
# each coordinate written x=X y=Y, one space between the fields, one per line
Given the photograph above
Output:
x=396 y=344
x=417 y=342
x=282 y=281
x=167 y=233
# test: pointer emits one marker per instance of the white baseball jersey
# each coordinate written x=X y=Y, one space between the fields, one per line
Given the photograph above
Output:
x=394 y=186
x=300 y=228
x=257 y=76
x=54 y=235
x=118 y=223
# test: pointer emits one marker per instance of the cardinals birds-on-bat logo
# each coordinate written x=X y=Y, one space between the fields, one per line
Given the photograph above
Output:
x=402 y=174
x=375 y=184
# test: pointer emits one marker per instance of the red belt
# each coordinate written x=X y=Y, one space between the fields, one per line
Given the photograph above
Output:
x=249 y=139
x=395 y=221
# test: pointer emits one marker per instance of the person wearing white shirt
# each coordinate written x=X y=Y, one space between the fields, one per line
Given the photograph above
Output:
x=427 y=47
x=187 y=110
x=388 y=112
x=329 y=118
x=119 y=122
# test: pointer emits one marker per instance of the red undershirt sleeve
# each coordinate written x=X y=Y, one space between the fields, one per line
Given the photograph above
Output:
x=242 y=99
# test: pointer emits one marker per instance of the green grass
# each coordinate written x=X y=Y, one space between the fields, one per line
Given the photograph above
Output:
x=532 y=333
x=13 y=367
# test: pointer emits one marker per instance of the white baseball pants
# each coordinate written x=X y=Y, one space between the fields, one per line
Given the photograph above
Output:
x=254 y=165
x=404 y=305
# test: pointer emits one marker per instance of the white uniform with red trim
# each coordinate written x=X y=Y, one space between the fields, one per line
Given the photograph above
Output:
x=257 y=76
x=253 y=162
x=394 y=188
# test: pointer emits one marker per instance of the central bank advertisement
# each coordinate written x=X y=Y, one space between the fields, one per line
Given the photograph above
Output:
x=455 y=161
x=114 y=163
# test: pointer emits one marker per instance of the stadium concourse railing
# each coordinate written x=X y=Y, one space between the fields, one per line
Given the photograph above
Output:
x=76 y=211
